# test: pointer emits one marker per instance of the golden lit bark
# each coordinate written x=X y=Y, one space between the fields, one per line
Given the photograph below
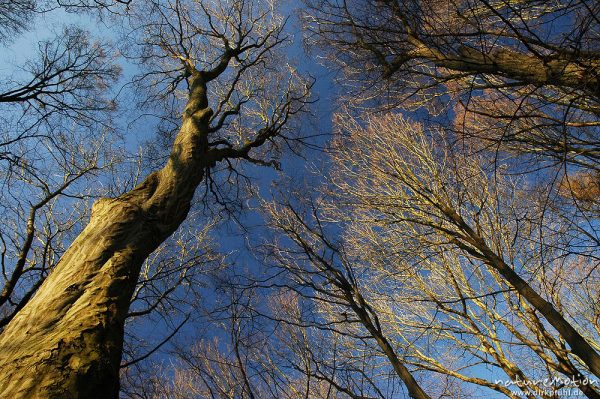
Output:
x=67 y=341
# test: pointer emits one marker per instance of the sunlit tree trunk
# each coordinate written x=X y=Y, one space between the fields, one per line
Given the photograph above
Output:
x=67 y=341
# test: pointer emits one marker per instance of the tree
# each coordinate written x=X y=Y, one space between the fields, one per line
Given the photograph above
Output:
x=261 y=345
x=322 y=268
x=434 y=199
x=14 y=16
x=526 y=71
x=380 y=249
x=67 y=340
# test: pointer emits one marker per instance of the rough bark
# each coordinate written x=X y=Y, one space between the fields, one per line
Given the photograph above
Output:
x=67 y=341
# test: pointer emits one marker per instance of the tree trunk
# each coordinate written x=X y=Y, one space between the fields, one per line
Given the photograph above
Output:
x=414 y=389
x=67 y=341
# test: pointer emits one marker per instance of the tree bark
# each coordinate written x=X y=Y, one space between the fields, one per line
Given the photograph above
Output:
x=558 y=70
x=67 y=341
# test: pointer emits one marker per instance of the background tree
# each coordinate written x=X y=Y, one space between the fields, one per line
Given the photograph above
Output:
x=379 y=255
x=521 y=79
x=14 y=17
x=323 y=272
x=433 y=199
x=525 y=72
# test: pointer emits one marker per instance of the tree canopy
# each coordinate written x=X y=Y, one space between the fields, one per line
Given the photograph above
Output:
x=184 y=218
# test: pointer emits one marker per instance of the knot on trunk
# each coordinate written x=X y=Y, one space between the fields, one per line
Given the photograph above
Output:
x=202 y=115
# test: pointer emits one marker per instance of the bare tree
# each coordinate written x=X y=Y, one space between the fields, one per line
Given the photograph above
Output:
x=527 y=70
x=172 y=281
x=522 y=95
x=70 y=76
x=14 y=16
x=258 y=346
x=419 y=201
x=378 y=251
x=67 y=340
x=319 y=265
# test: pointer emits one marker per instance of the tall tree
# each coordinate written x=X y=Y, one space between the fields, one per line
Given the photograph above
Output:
x=67 y=340
x=524 y=78
x=417 y=204
x=318 y=264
